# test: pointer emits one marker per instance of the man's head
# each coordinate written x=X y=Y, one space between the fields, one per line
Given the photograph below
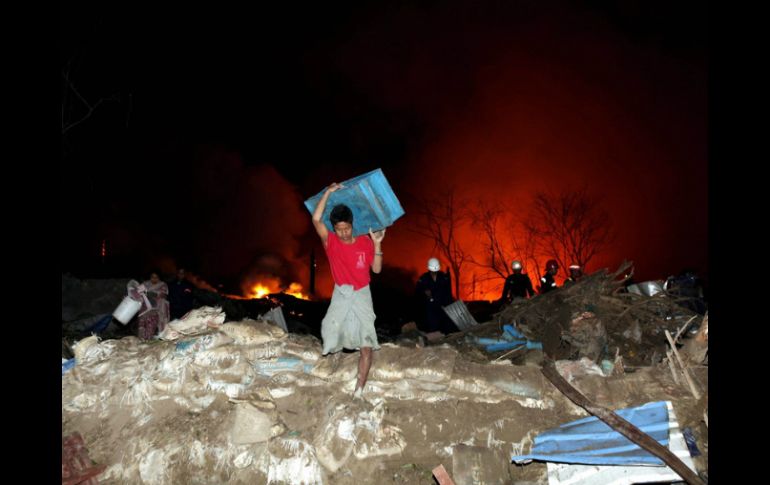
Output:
x=552 y=266
x=516 y=266
x=180 y=273
x=341 y=218
x=434 y=265
x=575 y=271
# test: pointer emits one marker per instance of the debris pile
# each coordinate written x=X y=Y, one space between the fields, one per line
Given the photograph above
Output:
x=218 y=401
x=597 y=319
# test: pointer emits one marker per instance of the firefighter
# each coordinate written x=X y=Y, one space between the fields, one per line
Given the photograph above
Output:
x=434 y=288
x=547 y=283
x=575 y=273
x=517 y=285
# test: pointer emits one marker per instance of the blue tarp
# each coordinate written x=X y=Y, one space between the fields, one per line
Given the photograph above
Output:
x=67 y=365
x=590 y=441
x=511 y=338
x=496 y=347
x=504 y=345
x=282 y=364
x=183 y=345
x=510 y=332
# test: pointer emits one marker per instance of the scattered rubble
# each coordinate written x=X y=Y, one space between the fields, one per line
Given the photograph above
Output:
x=596 y=318
x=222 y=401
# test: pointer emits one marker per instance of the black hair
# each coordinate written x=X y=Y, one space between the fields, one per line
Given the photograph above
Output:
x=341 y=213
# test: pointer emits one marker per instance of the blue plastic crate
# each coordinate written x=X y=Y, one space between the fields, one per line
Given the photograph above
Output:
x=371 y=199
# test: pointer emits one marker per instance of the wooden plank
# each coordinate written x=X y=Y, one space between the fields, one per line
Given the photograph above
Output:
x=685 y=370
x=442 y=477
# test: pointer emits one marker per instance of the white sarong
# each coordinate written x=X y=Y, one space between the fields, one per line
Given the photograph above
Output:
x=349 y=321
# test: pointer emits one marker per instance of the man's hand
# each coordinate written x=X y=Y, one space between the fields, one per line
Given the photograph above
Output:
x=377 y=241
x=377 y=236
x=334 y=187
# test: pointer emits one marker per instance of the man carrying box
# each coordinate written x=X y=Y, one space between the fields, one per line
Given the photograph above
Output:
x=349 y=321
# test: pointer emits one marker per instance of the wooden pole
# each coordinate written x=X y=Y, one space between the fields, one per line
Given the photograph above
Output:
x=670 y=360
x=685 y=370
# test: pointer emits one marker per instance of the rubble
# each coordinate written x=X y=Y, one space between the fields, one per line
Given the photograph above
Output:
x=244 y=401
x=596 y=318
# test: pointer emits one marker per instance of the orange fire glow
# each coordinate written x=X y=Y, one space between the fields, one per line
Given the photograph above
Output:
x=267 y=286
x=259 y=290
x=295 y=289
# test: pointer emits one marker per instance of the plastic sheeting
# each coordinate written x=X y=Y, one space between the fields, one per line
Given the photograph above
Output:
x=66 y=365
x=510 y=339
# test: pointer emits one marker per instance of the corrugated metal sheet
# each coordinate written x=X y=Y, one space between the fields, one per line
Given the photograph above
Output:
x=567 y=474
x=460 y=315
x=592 y=442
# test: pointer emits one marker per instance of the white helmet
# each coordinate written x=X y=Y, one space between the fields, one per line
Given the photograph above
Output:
x=433 y=264
x=516 y=265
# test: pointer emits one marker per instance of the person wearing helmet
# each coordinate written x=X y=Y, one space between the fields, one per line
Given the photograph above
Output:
x=517 y=285
x=575 y=273
x=434 y=290
x=349 y=320
x=547 y=283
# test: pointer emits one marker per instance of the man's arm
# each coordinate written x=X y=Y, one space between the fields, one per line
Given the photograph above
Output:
x=377 y=238
x=318 y=213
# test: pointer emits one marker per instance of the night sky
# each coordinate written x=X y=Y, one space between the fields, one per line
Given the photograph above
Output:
x=217 y=122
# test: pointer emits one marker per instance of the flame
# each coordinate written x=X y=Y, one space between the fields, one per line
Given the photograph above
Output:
x=295 y=289
x=259 y=290
x=263 y=288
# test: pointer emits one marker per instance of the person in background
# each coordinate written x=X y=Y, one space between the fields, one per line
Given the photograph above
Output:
x=517 y=285
x=434 y=289
x=153 y=319
x=547 y=283
x=575 y=273
x=180 y=295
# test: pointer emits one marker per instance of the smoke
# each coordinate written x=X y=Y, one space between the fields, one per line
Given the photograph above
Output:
x=249 y=220
x=515 y=101
x=199 y=282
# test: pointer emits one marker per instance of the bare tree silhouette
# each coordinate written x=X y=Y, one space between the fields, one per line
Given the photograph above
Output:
x=440 y=218
x=503 y=238
x=570 y=226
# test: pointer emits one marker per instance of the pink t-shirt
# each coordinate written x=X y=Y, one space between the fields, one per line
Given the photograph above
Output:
x=350 y=263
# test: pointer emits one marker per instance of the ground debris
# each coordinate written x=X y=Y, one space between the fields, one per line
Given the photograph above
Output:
x=594 y=318
x=248 y=403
